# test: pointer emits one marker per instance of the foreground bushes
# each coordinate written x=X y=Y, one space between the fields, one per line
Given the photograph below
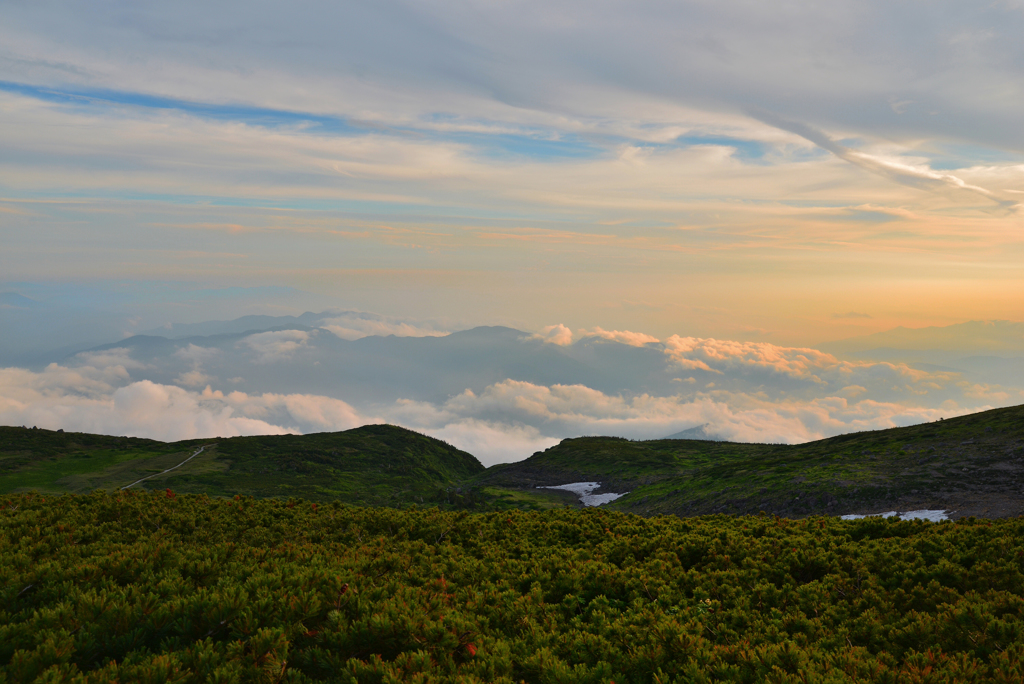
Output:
x=162 y=588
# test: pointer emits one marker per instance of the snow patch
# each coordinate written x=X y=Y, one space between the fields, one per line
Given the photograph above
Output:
x=925 y=514
x=584 y=491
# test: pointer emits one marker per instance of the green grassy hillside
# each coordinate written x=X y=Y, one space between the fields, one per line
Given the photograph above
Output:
x=157 y=589
x=373 y=464
x=972 y=464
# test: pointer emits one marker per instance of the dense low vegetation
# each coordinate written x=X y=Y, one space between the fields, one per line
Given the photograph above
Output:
x=165 y=587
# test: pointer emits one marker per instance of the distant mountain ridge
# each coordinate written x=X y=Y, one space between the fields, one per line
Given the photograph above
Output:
x=697 y=432
x=964 y=339
x=14 y=300
x=43 y=323
x=343 y=323
x=245 y=324
x=382 y=368
x=985 y=351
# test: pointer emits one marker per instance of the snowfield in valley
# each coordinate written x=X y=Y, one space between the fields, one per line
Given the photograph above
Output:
x=584 y=490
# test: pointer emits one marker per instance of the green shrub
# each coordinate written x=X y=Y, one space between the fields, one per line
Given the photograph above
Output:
x=150 y=587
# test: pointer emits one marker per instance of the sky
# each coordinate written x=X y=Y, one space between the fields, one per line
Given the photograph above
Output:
x=754 y=173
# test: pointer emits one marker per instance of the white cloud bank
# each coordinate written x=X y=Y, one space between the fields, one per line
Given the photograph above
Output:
x=509 y=420
x=506 y=422
x=804 y=370
x=105 y=401
x=355 y=325
x=276 y=345
x=554 y=334
x=563 y=336
x=536 y=411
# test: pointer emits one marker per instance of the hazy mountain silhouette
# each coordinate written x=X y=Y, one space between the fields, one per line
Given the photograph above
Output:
x=698 y=432
x=384 y=368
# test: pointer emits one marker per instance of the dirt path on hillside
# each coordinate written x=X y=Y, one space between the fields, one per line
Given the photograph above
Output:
x=198 y=451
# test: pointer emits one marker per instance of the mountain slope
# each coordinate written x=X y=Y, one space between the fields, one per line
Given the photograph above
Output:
x=973 y=465
x=373 y=464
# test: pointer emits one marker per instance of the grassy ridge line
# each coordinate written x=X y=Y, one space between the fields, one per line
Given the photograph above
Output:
x=973 y=464
x=146 y=587
x=373 y=464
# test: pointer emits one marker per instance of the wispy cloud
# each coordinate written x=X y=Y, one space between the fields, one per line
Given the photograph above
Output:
x=786 y=372
x=741 y=169
x=276 y=345
x=901 y=172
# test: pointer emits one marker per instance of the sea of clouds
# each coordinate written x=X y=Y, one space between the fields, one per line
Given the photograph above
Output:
x=246 y=384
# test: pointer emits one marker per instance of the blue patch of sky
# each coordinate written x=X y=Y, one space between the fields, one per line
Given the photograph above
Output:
x=537 y=144
x=531 y=144
x=534 y=145
x=221 y=112
x=542 y=146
